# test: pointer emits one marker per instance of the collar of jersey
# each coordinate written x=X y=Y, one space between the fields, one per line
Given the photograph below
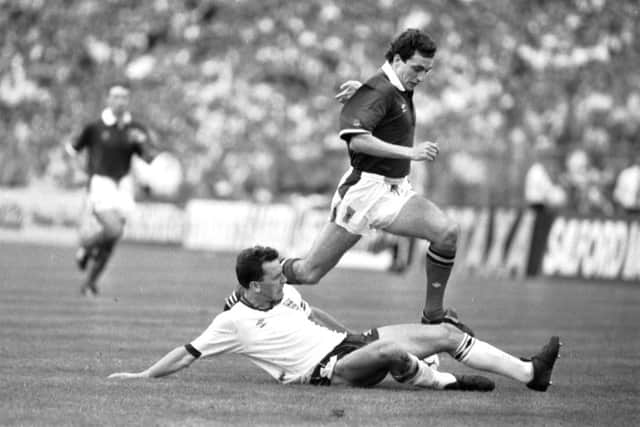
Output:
x=110 y=119
x=392 y=76
x=248 y=304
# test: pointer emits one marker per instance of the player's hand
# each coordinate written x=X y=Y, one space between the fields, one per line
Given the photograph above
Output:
x=126 y=375
x=427 y=150
x=137 y=135
x=347 y=89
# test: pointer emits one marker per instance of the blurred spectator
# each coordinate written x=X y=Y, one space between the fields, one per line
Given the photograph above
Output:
x=586 y=185
x=226 y=78
x=541 y=189
x=627 y=190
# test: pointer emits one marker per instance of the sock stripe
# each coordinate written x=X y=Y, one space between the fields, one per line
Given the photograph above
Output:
x=437 y=258
x=464 y=348
x=441 y=264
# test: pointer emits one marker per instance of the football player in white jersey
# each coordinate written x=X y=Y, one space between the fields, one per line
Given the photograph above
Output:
x=296 y=343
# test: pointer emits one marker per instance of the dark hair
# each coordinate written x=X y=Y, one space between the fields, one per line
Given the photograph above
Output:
x=119 y=83
x=249 y=263
x=410 y=41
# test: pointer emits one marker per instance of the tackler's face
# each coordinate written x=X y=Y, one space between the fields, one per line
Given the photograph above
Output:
x=413 y=71
x=273 y=280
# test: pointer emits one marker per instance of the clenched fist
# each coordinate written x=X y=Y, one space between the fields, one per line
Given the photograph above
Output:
x=426 y=150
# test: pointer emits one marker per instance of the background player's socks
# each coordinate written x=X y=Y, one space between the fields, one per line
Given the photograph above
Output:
x=289 y=273
x=438 y=267
x=481 y=355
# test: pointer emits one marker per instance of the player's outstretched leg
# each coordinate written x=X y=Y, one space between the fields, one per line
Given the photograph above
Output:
x=421 y=218
x=368 y=365
x=534 y=372
x=425 y=340
x=326 y=251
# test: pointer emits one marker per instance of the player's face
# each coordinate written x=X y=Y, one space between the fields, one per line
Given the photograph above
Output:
x=272 y=281
x=118 y=100
x=413 y=71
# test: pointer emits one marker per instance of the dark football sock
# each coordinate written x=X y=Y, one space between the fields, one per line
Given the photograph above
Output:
x=438 y=267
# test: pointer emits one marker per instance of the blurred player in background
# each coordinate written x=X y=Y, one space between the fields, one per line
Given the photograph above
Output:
x=110 y=143
x=378 y=123
x=296 y=343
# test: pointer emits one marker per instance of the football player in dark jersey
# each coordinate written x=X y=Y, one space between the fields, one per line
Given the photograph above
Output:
x=110 y=144
x=378 y=123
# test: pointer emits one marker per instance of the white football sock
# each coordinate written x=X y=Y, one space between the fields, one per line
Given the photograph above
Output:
x=481 y=355
x=426 y=377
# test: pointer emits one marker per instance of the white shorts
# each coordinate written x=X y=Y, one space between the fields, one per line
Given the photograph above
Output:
x=364 y=201
x=107 y=194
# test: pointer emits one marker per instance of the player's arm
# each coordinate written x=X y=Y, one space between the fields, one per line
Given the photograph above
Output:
x=323 y=318
x=144 y=143
x=174 y=361
x=74 y=146
x=362 y=114
x=368 y=144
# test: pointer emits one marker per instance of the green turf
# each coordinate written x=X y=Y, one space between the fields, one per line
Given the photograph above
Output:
x=57 y=348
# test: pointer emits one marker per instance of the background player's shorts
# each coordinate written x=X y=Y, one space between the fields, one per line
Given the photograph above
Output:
x=107 y=194
x=365 y=201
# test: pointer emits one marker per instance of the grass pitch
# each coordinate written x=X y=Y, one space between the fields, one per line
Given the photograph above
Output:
x=57 y=348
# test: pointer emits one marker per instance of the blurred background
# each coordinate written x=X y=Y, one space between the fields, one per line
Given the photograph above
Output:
x=242 y=92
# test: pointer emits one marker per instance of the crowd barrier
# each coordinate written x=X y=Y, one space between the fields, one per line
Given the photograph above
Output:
x=494 y=242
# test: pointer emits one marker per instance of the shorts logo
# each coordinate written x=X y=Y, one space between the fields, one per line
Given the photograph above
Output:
x=436 y=284
x=349 y=214
x=357 y=123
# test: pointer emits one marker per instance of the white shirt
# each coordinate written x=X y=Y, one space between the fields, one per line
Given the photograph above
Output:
x=539 y=189
x=627 y=191
x=282 y=340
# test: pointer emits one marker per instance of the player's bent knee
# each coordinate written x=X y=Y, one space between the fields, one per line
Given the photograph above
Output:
x=449 y=236
x=450 y=338
x=113 y=232
x=389 y=352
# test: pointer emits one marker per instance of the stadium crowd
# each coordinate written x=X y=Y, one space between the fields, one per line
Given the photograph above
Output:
x=243 y=92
